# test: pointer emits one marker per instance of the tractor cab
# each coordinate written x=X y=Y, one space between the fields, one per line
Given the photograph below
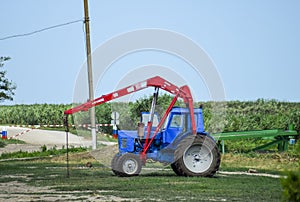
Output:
x=179 y=121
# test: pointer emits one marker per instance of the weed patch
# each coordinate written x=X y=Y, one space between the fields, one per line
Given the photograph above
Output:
x=43 y=153
x=3 y=143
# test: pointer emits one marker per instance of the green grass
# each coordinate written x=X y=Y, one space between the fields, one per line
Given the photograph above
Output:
x=167 y=186
x=157 y=185
x=162 y=185
x=274 y=163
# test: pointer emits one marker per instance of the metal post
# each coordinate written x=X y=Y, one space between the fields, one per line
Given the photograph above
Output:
x=223 y=147
x=66 y=123
x=67 y=143
x=90 y=73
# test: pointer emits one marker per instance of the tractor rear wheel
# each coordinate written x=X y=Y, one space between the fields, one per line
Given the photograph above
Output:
x=196 y=156
x=128 y=165
x=176 y=170
x=114 y=164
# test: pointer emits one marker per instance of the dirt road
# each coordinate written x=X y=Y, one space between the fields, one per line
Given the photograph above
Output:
x=35 y=138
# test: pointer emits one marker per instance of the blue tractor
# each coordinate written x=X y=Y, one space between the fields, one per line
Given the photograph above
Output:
x=188 y=155
x=178 y=138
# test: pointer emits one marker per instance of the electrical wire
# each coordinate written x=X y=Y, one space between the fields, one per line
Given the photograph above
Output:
x=41 y=30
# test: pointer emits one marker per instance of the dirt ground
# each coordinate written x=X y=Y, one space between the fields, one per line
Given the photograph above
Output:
x=17 y=191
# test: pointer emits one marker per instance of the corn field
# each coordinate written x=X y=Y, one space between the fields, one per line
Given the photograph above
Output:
x=257 y=115
x=236 y=116
x=32 y=114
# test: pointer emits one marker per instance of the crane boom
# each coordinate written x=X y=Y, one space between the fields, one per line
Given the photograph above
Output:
x=158 y=82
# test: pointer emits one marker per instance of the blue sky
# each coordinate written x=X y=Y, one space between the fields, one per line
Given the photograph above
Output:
x=254 y=45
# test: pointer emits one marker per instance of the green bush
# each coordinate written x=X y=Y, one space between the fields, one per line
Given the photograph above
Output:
x=291 y=184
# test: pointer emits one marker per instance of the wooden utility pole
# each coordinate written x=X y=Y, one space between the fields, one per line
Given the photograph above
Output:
x=90 y=73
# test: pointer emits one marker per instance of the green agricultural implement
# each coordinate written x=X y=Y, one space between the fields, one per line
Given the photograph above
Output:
x=281 y=138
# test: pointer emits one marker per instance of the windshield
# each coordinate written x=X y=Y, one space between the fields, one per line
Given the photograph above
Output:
x=145 y=119
x=178 y=120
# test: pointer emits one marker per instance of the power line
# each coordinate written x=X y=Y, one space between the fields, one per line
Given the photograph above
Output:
x=40 y=30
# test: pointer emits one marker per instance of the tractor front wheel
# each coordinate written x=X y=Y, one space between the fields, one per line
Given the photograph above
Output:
x=196 y=156
x=128 y=165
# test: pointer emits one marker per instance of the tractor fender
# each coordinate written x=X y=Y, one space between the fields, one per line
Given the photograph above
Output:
x=207 y=135
x=181 y=136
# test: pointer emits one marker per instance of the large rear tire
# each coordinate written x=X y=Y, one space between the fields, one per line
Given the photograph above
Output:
x=175 y=169
x=196 y=156
x=114 y=164
x=128 y=165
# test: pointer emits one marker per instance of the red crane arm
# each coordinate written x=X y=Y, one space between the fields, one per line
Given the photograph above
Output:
x=157 y=81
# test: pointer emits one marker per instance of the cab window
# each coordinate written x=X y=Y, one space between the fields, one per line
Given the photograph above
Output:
x=177 y=121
